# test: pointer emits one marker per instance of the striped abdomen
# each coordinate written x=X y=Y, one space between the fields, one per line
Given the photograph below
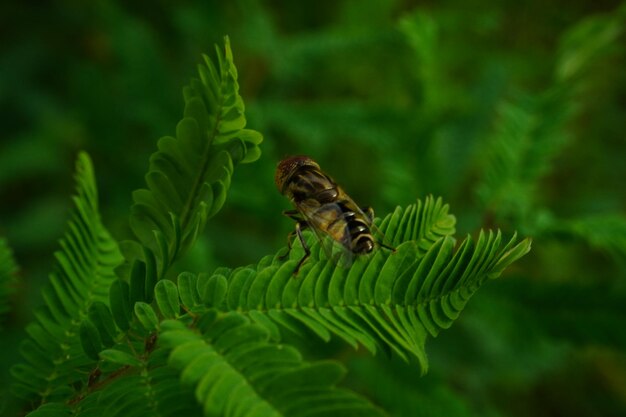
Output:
x=357 y=235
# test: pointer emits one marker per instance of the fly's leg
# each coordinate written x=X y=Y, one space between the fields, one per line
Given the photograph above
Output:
x=300 y=224
x=307 y=251
x=293 y=215
x=297 y=232
x=382 y=245
x=290 y=236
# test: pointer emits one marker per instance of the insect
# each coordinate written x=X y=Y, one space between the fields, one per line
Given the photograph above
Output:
x=323 y=206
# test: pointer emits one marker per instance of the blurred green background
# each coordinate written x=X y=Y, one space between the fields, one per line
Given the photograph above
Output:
x=513 y=112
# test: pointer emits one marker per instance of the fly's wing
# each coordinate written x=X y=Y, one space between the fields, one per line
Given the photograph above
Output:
x=327 y=221
x=336 y=224
x=335 y=217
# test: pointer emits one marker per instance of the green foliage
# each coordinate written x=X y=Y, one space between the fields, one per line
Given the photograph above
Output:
x=586 y=43
x=53 y=357
x=606 y=233
x=389 y=300
x=190 y=174
x=514 y=114
x=236 y=370
x=137 y=344
x=528 y=136
x=532 y=130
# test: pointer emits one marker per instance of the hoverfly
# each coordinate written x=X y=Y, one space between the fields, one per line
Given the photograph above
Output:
x=323 y=206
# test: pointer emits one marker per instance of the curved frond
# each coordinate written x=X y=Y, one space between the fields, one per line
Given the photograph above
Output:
x=148 y=389
x=587 y=43
x=190 y=174
x=529 y=134
x=236 y=371
x=53 y=358
x=604 y=232
x=8 y=269
x=389 y=300
x=423 y=223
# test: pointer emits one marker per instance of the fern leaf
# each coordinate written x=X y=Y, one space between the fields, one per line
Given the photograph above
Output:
x=237 y=371
x=190 y=174
x=150 y=389
x=603 y=232
x=8 y=268
x=423 y=223
x=131 y=377
x=528 y=134
x=54 y=360
x=51 y=410
x=531 y=130
x=421 y=33
x=387 y=300
x=587 y=42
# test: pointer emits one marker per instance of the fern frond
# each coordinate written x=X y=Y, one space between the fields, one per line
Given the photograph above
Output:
x=8 y=269
x=387 y=300
x=421 y=32
x=603 y=232
x=531 y=130
x=237 y=371
x=150 y=389
x=190 y=174
x=529 y=133
x=424 y=223
x=585 y=43
x=82 y=275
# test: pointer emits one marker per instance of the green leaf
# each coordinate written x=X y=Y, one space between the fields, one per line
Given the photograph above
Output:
x=146 y=315
x=530 y=131
x=166 y=295
x=150 y=389
x=90 y=339
x=189 y=175
x=54 y=353
x=119 y=296
x=138 y=282
x=188 y=291
x=389 y=299
x=606 y=232
x=151 y=274
x=236 y=370
x=585 y=43
x=214 y=291
x=119 y=357
x=100 y=315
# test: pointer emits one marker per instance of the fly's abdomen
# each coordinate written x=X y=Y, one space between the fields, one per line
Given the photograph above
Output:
x=361 y=237
x=357 y=236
